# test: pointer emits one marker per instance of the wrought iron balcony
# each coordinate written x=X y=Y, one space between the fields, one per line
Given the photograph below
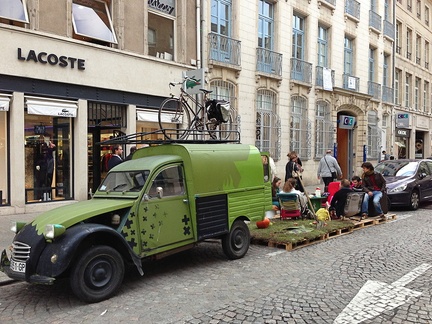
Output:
x=301 y=70
x=374 y=20
x=320 y=77
x=224 y=49
x=269 y=62
x=374 y=89
x=351 y=82
x=389 y=30
x=352 y=7
x=387 y=94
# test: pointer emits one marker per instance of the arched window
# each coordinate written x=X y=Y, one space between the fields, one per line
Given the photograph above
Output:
x=323 y=129
x=226 y=91
x=267 y=124
x=300 y=136
x=374 y=136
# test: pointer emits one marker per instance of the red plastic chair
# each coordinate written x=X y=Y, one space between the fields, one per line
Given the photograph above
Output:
x=290 y=205
x=333 y=187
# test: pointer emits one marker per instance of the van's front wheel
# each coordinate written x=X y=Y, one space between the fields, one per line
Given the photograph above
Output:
x=97 y=274
x=235 y=244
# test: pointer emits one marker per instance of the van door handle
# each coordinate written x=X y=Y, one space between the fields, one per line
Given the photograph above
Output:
x=185 y=201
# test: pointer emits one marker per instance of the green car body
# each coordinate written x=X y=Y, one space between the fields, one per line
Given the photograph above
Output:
x=166 y=199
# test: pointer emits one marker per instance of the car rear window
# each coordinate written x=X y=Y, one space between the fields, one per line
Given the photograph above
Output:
x=397 y=169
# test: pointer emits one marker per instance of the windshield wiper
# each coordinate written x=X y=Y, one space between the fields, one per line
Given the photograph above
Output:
x=118 y=186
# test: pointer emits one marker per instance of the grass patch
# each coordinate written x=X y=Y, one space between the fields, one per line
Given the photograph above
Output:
x=295 y=231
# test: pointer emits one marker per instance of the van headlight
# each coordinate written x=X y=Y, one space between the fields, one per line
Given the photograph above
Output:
x=53 y=230
x=17 y=226
x=398 y=189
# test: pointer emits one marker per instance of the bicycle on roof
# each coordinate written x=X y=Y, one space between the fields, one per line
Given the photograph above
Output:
x=210 y=116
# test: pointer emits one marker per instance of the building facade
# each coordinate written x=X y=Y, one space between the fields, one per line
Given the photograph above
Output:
x=412 y=79
x=300 y=75
x=77 y=72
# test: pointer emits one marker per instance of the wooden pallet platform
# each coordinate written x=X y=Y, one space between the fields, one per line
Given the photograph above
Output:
x=370 y=221
x=358 y=224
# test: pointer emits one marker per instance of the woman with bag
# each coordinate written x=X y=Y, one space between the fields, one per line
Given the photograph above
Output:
x=328 y=169
x=293 y=169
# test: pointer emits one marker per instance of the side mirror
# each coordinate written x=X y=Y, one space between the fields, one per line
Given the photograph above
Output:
x=423 y=175
x=159 y=192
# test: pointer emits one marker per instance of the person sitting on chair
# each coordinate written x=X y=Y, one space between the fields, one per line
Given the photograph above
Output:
x=356 y=183
x=275 y=190
x=289 y=187
x=340 y=198
x=374 y=185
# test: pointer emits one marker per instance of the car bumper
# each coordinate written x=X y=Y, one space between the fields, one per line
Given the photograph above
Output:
x=399 y=198
x=5 y=267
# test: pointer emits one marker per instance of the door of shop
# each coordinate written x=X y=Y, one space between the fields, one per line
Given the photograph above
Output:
x=345 y=151
x=98 y=155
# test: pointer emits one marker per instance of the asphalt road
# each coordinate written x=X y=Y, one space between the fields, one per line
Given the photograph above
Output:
x=379 y=274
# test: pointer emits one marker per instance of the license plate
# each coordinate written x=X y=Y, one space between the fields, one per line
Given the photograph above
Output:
x=17 y=266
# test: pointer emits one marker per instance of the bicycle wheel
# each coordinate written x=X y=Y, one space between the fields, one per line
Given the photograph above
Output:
x=173 y=111
x=220 y=131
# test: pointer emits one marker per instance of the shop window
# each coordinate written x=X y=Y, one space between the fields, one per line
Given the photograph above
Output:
x=4 y=167
x=92 y=22
x=48 y=151
x=161 y=21
x=13 y=12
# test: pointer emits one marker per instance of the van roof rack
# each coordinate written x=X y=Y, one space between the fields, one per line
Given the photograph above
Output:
x=194 y=137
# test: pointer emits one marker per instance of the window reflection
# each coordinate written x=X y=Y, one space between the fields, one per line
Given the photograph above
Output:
x=14 y=10
x=94 y=22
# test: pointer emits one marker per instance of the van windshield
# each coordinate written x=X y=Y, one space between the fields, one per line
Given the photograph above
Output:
x=124 y=181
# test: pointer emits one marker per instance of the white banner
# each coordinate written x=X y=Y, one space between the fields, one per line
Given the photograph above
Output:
x=49 y=107
x=4 y=103
x=152 y=116
x=327 y=79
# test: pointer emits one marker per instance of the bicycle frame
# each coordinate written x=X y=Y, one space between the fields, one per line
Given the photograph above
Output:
x=200 y=107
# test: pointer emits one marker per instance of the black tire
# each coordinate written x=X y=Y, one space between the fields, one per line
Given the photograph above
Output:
x=179 y=114
x=223 y=131
x=235 y=244
x=97 y=274
x=414 y=200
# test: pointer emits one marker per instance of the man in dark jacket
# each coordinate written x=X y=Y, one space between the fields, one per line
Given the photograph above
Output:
x=374 y=185
x=339 y=199
x=116 y=158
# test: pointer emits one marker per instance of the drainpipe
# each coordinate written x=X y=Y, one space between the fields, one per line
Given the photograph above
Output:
x=199 y=19
x=392 y=112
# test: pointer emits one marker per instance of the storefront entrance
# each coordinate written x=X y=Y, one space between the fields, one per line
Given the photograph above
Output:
x=98 y=155
x=105 y=121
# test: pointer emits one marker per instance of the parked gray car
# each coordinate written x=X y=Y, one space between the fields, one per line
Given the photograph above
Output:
x=409 y=181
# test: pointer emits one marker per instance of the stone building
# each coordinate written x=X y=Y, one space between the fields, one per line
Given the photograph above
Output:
x=300 y=75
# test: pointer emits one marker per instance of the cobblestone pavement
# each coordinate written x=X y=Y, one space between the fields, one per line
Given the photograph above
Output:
x=314 y=284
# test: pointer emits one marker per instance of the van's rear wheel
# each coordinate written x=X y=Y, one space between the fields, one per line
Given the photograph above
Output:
x=235 y=244
x=97 y=274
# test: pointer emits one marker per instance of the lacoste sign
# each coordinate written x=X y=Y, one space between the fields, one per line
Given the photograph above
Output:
x=51 y=59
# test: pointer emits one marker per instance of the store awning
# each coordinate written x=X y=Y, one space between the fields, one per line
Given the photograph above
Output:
x=152 y=116
x=51 y=107
x=4 y=102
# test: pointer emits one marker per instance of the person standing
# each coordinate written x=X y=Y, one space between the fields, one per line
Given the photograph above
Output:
x=131 y=152
x=374 y=185
x=293 y=169
x=328 y=169
x=386 y=156
x=116 y=158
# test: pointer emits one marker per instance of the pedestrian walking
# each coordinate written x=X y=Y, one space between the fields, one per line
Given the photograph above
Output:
x=328 y=169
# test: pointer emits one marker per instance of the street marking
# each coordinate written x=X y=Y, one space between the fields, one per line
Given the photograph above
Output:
x=376 y=297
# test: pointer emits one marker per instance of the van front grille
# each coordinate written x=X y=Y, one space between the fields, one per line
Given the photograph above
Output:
x=20 y=251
